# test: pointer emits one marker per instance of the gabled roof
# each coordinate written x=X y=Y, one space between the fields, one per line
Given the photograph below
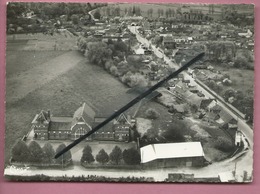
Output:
x=205 y=103
x=122 y=118
x=216 y=108
x=171 y=150
x=212 y=115
x=168 y=39
x=41 y=117
x=84 y=112
x=105 y=129
x=225 y=116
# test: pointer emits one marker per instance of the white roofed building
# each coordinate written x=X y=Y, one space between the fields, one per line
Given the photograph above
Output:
x=188 y=154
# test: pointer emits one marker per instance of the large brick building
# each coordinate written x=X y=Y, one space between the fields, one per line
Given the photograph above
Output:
x=47 y=127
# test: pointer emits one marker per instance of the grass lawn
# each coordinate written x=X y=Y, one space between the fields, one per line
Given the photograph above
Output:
x=20 y=61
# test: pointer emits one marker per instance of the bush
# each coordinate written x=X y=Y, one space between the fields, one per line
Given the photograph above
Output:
x=224 y=144
x=114 y=70
x=151 y=114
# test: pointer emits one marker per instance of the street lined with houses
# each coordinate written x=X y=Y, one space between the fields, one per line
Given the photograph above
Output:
x=243 y=126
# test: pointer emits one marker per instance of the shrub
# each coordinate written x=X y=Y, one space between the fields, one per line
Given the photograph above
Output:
x=151 y=114
x=224 y=144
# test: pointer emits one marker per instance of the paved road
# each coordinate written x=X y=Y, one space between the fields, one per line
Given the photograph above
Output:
x=246 y=129
x=158 y=174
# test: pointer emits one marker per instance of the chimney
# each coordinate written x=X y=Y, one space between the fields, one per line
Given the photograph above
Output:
x=49 y=114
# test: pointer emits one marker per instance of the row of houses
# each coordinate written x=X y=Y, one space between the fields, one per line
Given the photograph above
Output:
x=208 y=109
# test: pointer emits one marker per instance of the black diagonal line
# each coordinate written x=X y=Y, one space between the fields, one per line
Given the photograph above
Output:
x=130 y=104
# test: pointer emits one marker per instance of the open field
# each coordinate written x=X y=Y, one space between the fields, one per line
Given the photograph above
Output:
x=41 y=42
x=20 y=61
x=23 y=83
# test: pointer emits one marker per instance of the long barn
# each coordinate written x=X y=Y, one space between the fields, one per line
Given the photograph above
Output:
x=188 y=154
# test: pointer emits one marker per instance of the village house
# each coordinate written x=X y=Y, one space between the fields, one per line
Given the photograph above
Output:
x=189 y=154
x=48 y=127
x=168 y=42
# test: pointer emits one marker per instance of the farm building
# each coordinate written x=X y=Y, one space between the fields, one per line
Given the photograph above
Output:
x=188 y=154
x=48 y=127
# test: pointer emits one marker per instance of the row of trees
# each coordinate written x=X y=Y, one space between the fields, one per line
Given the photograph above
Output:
x=34 y=153
x=129 y=156
x=50 y=10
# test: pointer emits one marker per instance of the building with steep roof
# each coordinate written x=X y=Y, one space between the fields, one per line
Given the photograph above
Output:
x=47 y=127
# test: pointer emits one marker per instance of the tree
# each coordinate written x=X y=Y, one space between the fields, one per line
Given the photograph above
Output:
x=97 y=15
x=224 y=144
x=113 y=70
x=15 y=9
x=49 y=153
x=75 y=19
x=116 y=155
x=64 y=158
x=193 y=108
x=240 y=62
x=131 y=156
x=120 y=46
x=87 y=156
x=98 y=53
x=137 y=80
x=108 y=11
x=20 y=152
x=151 y=113
x=175 y=131
x=230 y=92
x=117 y=11
x=102 y=157
x=37 y=154
x=122 y=67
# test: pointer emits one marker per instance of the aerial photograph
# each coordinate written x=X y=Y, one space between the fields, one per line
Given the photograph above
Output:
x=71 y=66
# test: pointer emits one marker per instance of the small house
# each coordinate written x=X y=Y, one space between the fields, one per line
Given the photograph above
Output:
x=168 y=42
